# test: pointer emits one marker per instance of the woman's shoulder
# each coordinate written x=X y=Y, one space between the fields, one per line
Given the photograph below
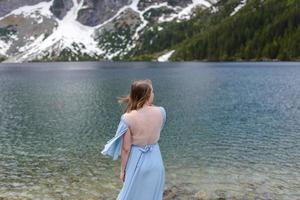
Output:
x=125 y=118
x=164 y=115
x=129 y=115
x=162 y=109
x=158 y=107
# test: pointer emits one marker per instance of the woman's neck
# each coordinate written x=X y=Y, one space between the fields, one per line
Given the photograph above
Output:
x=146 y=105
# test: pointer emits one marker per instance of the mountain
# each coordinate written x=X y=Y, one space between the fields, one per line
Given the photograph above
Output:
x=262 y=30
x=151 y=30
x=255 y=30
x=62 y=30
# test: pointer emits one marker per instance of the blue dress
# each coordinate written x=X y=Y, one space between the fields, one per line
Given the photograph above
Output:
x=144 y=170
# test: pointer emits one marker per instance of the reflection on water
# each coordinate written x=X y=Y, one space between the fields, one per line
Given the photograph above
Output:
x=232 y=130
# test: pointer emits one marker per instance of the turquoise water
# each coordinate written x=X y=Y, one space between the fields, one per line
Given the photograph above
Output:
x=232 y=130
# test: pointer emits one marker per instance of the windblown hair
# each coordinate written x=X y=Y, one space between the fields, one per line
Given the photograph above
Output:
x=139 y=94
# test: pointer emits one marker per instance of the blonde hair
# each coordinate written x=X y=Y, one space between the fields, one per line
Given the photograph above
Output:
x=140 y=93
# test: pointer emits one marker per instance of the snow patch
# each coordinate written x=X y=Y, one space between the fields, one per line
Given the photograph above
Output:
x=33 y=11
x=186 y=12
x=236 y=9
x=145 y=22
x=4 y=47
x=214 y=9
x=165 y=57
x=68 y=32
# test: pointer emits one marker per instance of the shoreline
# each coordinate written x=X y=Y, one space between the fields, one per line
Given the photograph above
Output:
x=153 y=62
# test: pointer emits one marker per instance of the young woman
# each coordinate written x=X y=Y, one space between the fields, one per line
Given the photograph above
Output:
x=136 y=140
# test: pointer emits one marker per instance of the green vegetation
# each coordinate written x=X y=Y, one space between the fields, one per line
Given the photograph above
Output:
x=263 y=30
x=153 y=14
x=260 y=30
x=7 y=31
x=68 y=55
x=115 y=40
x=2 y=58
x=145 y=57
x=173 y=33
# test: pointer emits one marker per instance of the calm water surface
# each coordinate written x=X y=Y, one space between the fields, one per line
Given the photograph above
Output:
x=232 y=130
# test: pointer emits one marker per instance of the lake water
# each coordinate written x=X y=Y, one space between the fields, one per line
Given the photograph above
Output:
x=232 y=129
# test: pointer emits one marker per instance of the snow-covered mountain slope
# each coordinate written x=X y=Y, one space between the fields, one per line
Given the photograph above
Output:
x=83 y=29
x=6 y=6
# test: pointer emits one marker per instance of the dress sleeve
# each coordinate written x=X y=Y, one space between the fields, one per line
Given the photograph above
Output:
x=164 y=114
x=113 y=146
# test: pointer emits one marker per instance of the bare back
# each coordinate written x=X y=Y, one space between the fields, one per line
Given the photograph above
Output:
x=145 y=125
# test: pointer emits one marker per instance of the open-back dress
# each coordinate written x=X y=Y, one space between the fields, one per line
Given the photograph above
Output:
x=144 y=171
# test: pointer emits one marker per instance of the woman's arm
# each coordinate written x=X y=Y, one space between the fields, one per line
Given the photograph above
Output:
x=126 y=145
